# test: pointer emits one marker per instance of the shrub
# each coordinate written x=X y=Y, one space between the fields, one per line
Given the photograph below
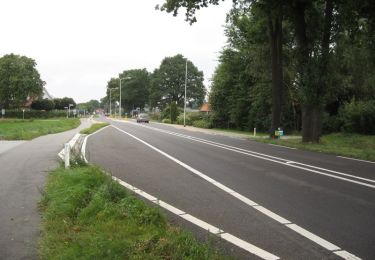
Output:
x=202 y=124
x=358 y=117
x=34 y=114
x=166 y=121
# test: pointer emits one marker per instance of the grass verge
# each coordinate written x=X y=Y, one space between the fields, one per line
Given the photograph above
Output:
x=247 y=133
x=86 y=215
x=29 y=129
x=350 y=145
x=93 y=128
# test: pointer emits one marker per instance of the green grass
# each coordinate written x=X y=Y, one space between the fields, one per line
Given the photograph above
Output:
x=86 y=215
x=350 y=145
x=29 y=129
x=94 y=127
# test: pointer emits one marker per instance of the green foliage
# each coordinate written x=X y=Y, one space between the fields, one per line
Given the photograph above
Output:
x=166 y=121
x=34 y=114
x=350 y=145
x=43 y=104
x=93 y=128
x=86 y=215
x=358 y=117
x=29 y=129
x=19 y=80
x=135 y=86
x=202 y=124
x=174 y=112
x=62 y=103
x=168 y=83
x=89 y=106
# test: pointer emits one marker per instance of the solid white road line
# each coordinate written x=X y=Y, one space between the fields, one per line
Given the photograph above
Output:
x=354 y=159
x=83 y=148
x=302 y=166
x=320 y=241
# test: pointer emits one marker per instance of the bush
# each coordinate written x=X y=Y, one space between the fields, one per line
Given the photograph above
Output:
x=202 y=124
x=166 y=121
x=190 y=118
x=358 y=117
x=34 y=114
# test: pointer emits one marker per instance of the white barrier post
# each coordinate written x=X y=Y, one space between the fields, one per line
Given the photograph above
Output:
x=255 y=131
x=67 y=155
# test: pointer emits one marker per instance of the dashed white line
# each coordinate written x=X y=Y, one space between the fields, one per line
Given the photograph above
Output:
x=202 y=224
x=292 y=148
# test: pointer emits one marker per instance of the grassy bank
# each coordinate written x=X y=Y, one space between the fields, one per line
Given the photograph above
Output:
x=29 y=129
x=350 y=145
x=86 y=215
x=93 y=128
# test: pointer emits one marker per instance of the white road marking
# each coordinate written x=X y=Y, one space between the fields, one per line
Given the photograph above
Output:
x=320 y=241
x=346 y=255
x=292 y=148
x=305 y=167
x=354 y=159
x=202 y=224
x=324 y=243
x=83 y=148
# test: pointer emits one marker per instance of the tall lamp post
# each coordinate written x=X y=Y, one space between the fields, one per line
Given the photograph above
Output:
x=70 y=105
x=120 y=108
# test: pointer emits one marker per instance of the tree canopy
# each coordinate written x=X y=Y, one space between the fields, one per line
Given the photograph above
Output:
x=168 y=82
x=19 y=80
x=319 y=56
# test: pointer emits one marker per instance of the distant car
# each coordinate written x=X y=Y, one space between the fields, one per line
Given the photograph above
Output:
x=143 y=118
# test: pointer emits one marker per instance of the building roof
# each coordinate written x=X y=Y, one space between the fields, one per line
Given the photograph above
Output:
x=205 y=108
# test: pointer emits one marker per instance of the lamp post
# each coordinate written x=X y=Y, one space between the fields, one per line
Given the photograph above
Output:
x=110 y=100
x=185 y=94
x=66 y=111
x=70 y=105
x=120 y=94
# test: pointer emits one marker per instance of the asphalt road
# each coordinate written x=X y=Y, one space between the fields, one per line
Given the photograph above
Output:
x=331 y=197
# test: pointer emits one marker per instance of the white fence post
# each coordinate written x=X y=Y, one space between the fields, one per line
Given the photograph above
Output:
x=255 y=131
x=67 y=155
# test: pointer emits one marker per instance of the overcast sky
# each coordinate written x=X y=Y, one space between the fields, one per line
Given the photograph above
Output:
x=80 y=44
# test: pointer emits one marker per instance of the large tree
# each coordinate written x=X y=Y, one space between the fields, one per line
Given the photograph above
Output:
x=273 y=11
x=135 y=86
x=168 y=82
x=19 y=80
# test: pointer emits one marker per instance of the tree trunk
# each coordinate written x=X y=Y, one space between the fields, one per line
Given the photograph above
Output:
x=275 y=29
x=311 y=123
x=312 y=111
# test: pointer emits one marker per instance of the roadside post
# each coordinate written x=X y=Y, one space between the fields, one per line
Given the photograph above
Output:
x=255 y=131
x=2 y=113
x=23 y=114
x=67 y=155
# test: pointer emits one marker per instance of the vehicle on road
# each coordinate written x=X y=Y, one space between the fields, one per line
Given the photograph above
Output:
x=143 y=118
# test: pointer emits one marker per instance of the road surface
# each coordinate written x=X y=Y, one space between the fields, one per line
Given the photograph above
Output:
x=292 y=204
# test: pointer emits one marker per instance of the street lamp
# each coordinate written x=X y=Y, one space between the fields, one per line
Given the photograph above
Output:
x=70 y=105
x=120 y=94
x=66 y=111
x=110 y=100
